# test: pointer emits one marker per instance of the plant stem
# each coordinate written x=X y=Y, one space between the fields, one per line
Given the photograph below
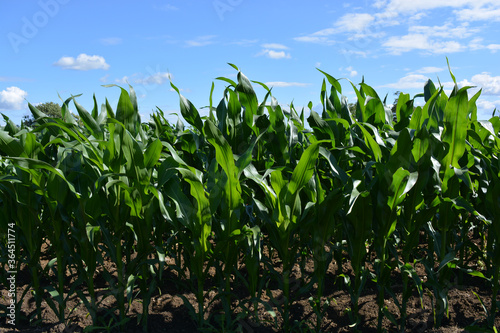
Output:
x=491 y=319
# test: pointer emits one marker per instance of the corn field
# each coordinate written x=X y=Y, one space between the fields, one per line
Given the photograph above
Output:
x=223 y=196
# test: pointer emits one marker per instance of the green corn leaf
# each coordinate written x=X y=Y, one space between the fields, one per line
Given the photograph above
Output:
x=234 y=107
x=401 y=152
x=27 y=164
x=246 y=158
x=109 y=110
x=455 y=128
x=251 y=173
x=10 y=127
x=400 y=185
x=132 y=198
x=403 y=108
x=225 y=79
x=225 y=157
x=10 y=146
x=152 y=154
x=133 y=101
x=277 y=182
x=132 y=152
x=36 y=113
x=304 y=169
x=336 y=169
x=95 y=109
x=320 y=127
x=451 y=74
x=473 y=107
x=333 y=81
x=183 y=207
x=248 y=98
x=31 y=145
x=429 y=90
x=203 y=215
x=372 y=144
x=234 y=66
x=211 y=102
x=89 y=121
x=126 y=112
x=360 y=105
x=263 y=85
x=301 y=175
x=188 y=111
x=66 y=114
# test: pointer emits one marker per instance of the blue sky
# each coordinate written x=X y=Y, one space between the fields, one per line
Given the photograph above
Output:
x=70 y=47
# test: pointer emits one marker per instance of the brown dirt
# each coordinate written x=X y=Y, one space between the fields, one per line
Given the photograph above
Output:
x=169 y=313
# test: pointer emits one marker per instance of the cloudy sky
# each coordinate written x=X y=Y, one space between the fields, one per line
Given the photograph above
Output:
x=52 y=48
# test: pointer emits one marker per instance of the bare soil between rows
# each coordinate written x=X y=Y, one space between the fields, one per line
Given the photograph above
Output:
x=169 y=313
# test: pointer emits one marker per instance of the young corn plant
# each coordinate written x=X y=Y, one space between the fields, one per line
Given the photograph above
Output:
x=358 y=226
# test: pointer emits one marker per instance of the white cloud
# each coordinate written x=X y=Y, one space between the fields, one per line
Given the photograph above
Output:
x=379 y=3
x=276 y=54
x=465 y=10
x=111 y=41
x=355 y=25
x=425 y=70
x=286 y=84
x=446 y=47
x=201 y=41
x=399 y=44
x=12 y=98
x=354 y=22
x=449 y=37
x=315 y=39
x=346 y=52
x=480 y=13
x=410 y=81
x=444 y=31
x=485 y=108
x=275 y=46
x=137 y=78
x=156 y=78
x=405 y=6
x=417 y=17
x=83 y=62
x=493 y=47
x=270 y=51
x=477 y=44
x=488 y=105
x=490 y=85
x=246 y=42
x=414 y=81
x=432 y=39
x=349 y=70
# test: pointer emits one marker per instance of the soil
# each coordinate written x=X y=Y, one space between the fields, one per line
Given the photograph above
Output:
x=169 y=307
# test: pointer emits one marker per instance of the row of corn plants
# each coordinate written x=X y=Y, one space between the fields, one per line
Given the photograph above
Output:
x=246 y=184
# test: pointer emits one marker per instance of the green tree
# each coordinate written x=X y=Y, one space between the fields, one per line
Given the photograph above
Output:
x=51 y=109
